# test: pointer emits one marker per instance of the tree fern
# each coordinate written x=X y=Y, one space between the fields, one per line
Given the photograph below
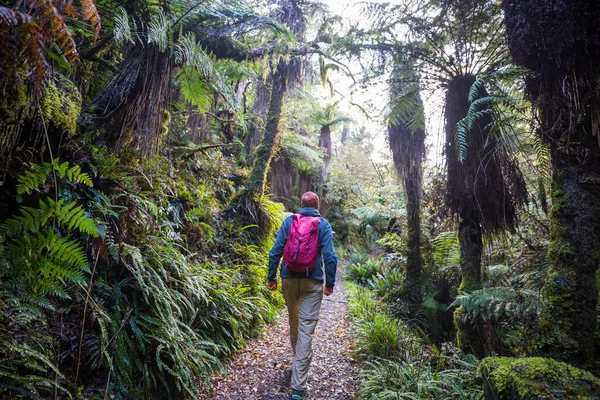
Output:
x=501 y=98
x=158 y=30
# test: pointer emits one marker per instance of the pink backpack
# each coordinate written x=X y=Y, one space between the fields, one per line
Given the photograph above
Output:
x=302 y=246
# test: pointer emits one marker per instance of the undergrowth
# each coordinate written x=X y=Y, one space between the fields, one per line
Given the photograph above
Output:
x=135 y=287
x=398 y=363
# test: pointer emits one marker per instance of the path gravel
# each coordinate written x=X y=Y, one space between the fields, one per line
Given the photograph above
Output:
x=263 y=369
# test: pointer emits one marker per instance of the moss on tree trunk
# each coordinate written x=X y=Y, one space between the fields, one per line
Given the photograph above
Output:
x=414 y=261
x=407 y=142
x=471 y=246
x=558 y=41
x=264 y=152
x=570 y=292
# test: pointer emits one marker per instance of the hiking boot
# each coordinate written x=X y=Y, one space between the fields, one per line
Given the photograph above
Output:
x=297 y=394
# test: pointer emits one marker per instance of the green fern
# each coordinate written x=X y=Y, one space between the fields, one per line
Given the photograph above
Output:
x=498 y=302
x=70 y=216
x=122 y=29
x=37 y=175
x=17 y=357
x=446 y=249
x=501 y=98
x=42 y=256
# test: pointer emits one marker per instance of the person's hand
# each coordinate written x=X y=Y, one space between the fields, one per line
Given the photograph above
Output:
x=272 y=285
x=327 y=291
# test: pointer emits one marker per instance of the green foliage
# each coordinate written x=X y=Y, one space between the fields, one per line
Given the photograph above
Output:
x=302 y=153
x=37 y=175
x=535 y=378
x=159 y=321
x=190 y=53
x=393 y=241
x=189 y=291
x=328 y=116
x=62 y=106
x=385 y=280
x=363 y=270
x=446 y=249
x=406 y=107
x=380 y=337
x=503 y=99
x=392 y=380
x=195 y=89
x=42 y=259
x=42 y=255
x=15 y=358
x=399 y=365
x=500 y=302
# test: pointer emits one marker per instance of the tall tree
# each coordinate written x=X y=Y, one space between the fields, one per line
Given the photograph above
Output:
x=327 y=118
x=560 y=42
x=406 y=137
x=285 y=73
x=260 y=108
x=448 y=45
x=170 y=40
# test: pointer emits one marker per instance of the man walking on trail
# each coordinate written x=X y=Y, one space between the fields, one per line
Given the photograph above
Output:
x=307 y=273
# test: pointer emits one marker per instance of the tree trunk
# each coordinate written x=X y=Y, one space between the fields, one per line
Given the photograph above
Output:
x=462 y=185
x=570 y=292
x=558 y=41
x=414 y=261
x=264 y=153
x=198 y=125
x=324 y=143
x=468 y=335
x=133 y=107
x=408 y=150
x=281 y=181
x=345 y=136
x=260 y=109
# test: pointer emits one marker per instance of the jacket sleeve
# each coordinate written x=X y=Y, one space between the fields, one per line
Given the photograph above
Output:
x=328 y=254
x=277 y=249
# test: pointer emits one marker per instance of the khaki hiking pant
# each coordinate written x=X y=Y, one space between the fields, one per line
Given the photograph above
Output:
x=303 y=299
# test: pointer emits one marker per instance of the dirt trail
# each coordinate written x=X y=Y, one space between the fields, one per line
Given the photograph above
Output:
x=263 y=369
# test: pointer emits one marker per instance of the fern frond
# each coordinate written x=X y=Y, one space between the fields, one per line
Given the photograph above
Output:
x=498 y=302
x=31 y=180
x=22 y=356
x=158 y=30
x=446 y=249
x=122 y=29
x=90 y=13
x=37 y=175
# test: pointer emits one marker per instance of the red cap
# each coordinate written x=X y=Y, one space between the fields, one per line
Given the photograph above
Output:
x=309 y=199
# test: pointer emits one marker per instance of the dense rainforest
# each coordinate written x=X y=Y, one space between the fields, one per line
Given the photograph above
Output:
x=149 y=151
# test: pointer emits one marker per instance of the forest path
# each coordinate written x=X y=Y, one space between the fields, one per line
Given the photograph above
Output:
x=263 y=369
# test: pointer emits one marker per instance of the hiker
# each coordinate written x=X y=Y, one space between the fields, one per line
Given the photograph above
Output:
x=307 y=273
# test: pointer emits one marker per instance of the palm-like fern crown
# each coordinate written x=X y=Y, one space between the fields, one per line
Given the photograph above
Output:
x=448 y=44
x=329 y=116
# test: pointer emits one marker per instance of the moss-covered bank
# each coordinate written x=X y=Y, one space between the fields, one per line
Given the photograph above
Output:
x=535 y=378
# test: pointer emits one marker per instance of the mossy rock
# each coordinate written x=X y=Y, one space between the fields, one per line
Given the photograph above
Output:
x=535 y=379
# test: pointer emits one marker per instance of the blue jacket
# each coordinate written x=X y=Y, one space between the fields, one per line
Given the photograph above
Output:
x=326 y=255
